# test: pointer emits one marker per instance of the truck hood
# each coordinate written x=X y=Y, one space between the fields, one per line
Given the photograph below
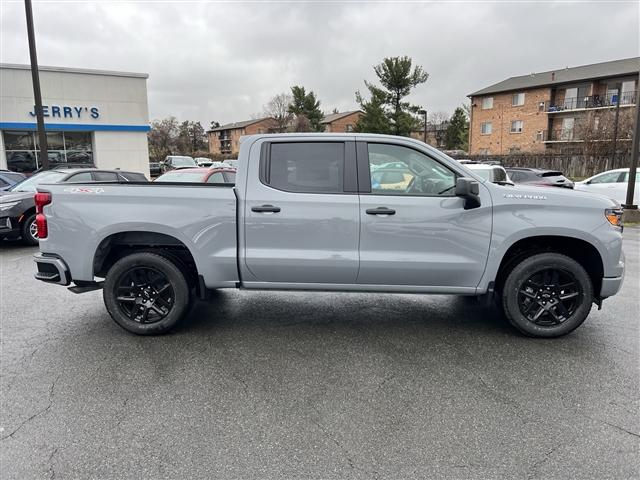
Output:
x=525 y=194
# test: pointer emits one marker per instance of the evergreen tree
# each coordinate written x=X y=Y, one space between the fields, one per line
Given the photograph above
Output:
x=386 y=112
x=308 y=105
x=457 y=134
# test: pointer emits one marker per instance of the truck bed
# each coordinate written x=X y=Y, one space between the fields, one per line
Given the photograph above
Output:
x=83 y=217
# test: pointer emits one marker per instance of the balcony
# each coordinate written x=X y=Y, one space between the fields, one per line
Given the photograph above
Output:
x=591 y=101
x=561 y=135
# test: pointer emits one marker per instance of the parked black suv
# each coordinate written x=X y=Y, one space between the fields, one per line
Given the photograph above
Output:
x=538 y=176
x=17 y=207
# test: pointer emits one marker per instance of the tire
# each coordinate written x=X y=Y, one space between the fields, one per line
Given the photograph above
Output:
x=28 y=230
x=547 y=295
x=146 y=293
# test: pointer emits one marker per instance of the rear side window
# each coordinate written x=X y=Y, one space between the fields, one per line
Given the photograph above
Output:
x=105 y=176
x=551 y=174
x=216 y=178
x=81 y=177
x=306 y=167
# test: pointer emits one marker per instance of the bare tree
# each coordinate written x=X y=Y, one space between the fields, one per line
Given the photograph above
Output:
x=436 y=118
x=597 y=129
x=163 y=138
x=278 y=109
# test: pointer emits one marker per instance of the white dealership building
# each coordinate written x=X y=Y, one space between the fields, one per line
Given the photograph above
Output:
x=92 y=117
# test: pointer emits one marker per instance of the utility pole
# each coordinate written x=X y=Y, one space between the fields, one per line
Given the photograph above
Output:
x=37 y=95
x=424 y=134
x=635 y=152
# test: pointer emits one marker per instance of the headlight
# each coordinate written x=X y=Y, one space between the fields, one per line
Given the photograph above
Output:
x=614 y=216
x=7 y=206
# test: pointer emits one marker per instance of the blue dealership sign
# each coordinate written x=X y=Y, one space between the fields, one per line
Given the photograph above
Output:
x=66 y=111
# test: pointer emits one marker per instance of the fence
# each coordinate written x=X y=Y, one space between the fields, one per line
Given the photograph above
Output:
x=574 y=166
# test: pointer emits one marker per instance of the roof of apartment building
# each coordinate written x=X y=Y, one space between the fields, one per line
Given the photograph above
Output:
x=332 y=117
x=236 y=125
x=614 y=68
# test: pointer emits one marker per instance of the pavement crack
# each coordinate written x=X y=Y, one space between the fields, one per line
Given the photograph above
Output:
x=38 y=413
x=52 y=471
x=536 y=465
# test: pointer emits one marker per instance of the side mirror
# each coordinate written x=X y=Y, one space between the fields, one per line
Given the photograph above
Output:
x=468 y=189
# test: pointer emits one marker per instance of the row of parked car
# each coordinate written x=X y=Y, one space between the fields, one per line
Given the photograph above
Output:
x=174 y=162
x=612 y=183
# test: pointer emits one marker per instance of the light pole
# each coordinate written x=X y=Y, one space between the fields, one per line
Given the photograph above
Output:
x=635 y=151
x=424 y=112
x=37 y=95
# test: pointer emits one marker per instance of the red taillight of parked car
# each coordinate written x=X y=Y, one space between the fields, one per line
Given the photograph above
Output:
x=42 y=199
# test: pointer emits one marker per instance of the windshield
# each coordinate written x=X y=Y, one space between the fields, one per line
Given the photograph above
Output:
x=178 y=176
x=30 y=184
x=183 y=161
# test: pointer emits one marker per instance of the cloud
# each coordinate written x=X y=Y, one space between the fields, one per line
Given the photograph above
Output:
x=224 y=60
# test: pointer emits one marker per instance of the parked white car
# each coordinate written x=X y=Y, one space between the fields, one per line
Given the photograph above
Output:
x=493 y=173
x=612 y=183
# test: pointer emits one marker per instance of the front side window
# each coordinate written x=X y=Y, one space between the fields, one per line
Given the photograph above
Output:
x=486 y=128
x=306 y=167
x=517 y=99
x=516 y=126
x=397 y=170
x=487 y=103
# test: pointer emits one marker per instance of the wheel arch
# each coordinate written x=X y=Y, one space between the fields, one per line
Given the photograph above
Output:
x=119 y=244
x=580 y=250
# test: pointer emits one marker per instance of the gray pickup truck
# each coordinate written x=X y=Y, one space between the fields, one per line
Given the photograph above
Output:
x=309 y=212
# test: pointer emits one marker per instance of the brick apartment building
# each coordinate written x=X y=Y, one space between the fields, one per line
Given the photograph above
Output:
x=436 y=134
x=341 y=122
x=550 y=111
x=226 y=138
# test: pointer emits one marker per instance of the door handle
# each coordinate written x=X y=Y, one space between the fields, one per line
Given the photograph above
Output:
x=381 y=211
x=265 y=209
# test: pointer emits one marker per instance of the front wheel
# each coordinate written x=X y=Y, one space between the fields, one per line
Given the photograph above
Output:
x=146 y=293
x=547 y=295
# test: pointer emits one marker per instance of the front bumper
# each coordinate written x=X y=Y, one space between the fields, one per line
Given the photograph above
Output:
x=610 y=286
x=8 y=226
x=52 y=269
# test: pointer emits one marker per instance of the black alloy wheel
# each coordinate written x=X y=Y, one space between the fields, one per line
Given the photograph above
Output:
x=549 y=297
x=145 y=295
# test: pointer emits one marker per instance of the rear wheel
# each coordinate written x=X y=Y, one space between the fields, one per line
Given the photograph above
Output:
x=146 y=293
x=547 y=295
x=29 y=230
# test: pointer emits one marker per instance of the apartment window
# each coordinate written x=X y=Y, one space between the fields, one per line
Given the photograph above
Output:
x=349 y=128
x=484 y=151
x=540 y=135
x=487 y=103
x=485 y=128
x=516 y=126
x=517 y=99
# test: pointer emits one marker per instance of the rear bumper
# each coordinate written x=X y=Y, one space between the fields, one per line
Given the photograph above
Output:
x=52 y=269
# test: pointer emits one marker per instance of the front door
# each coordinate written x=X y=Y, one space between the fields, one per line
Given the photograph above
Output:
x=414 y=230
x=302 y=220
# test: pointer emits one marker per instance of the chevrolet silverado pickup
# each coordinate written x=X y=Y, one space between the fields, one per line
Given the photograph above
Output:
x=310 y=212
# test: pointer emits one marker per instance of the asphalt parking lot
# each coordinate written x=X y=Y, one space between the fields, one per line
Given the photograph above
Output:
x=298 y=385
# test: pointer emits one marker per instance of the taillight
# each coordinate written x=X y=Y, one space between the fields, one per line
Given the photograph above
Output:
x=41 y=199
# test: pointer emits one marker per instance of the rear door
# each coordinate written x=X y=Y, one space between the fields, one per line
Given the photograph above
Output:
x=416 y=231
x=302 y=214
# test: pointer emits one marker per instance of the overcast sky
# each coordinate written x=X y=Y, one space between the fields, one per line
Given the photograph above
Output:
x=224 y=60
